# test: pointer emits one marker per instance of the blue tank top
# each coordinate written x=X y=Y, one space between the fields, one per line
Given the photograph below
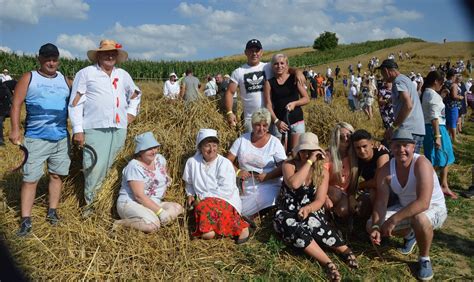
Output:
x=46 y=107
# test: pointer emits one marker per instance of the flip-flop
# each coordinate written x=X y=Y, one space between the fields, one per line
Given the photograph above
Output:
x=244 y=240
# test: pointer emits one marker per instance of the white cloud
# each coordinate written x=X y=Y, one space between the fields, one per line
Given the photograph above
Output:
x=14 y=12
x=5 y=49
x=79 y=44
x=399 y=15
x=192 y=10
x=65 y=54
x=361 y=6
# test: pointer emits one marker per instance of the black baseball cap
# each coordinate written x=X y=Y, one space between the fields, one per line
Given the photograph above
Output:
x=48 y=50
x=451 y=72
x=388 y=64
x=253 y=43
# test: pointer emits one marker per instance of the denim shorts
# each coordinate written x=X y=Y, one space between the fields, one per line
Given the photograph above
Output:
x=55 y=153
x=296 y=128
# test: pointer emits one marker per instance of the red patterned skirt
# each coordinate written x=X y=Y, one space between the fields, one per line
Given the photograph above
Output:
x=214 y=214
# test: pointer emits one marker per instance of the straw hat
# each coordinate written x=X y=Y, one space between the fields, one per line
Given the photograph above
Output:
x=108 y=45
x=308 y=141
x=145 y=141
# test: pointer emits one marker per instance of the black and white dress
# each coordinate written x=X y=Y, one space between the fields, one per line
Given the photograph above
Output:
x=299 y=233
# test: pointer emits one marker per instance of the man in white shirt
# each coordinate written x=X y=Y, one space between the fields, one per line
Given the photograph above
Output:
x=5 y=76
x=422 y=206
x=171 y=87
x=250 y=79
x=104 y=100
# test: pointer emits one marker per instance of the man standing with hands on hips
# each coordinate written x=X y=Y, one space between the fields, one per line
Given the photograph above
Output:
x=104 y=100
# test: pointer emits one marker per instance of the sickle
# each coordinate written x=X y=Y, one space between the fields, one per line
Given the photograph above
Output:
x=377 y=250
x=94 y=157
x=25 y=157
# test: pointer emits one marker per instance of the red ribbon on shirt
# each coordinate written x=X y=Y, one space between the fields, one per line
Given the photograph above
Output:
x=115 y=82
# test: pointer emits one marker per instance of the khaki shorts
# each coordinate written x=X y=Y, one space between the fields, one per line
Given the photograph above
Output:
x=56 y=153
x=436 y=214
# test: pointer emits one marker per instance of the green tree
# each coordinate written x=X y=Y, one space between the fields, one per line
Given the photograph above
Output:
x=326 y=40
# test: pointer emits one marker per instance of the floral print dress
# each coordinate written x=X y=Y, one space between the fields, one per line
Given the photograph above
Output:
x=299 y=233
x=386 y=110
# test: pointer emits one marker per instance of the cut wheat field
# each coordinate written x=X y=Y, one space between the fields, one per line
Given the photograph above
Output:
x=91 y=249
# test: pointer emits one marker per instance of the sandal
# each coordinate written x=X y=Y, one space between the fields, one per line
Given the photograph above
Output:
x=332 y=272
x=350 y=259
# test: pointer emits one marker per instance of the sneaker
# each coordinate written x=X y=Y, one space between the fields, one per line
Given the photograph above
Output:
x=25 y=227
x=52 y=217
x=425 y=272
x=408 y=246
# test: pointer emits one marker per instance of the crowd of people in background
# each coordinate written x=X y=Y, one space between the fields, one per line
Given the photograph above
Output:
x=281 y=169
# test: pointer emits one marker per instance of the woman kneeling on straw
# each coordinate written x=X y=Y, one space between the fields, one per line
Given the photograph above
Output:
x=212 y=190
x=144 y=183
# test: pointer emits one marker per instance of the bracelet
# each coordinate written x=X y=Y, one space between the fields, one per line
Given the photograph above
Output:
x=159 y=212
x=229 y=113
x=237 y=172
x=394 y=127
x=276 y=121
x=310 y=162
x=375 y=227
x=438 y=136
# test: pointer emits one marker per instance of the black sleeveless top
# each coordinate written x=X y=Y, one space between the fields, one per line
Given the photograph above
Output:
x=283 y=94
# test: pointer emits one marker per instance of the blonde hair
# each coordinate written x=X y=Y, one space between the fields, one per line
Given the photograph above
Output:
x=336 y=159
x=260 y=115
x=316 y=172
x=278 y=56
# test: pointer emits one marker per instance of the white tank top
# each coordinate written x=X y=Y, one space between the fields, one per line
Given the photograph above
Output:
x=407 y=194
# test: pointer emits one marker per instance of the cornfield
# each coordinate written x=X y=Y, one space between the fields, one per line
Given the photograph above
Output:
x=18 y=64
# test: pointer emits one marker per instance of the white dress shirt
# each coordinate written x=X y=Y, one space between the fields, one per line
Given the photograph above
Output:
x=104 y=100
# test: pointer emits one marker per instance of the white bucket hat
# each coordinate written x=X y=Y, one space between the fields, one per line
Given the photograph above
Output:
x=205 y=133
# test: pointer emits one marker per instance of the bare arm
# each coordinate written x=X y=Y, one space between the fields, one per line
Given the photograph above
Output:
x=381 y=200
x=372 y=183
x=267 y=94
x=300 y=78
x=320 y=199
x=18 y=99
x=182 y=90
x=436 y=132
x=402 y=115
x=303 y=100
x=229 y=100
x=137 y=188
x=454 y=92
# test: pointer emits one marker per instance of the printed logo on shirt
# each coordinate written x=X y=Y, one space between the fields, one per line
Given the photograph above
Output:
x=254 y=81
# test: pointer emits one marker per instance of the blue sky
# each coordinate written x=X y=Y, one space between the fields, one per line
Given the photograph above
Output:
x=195 y=30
